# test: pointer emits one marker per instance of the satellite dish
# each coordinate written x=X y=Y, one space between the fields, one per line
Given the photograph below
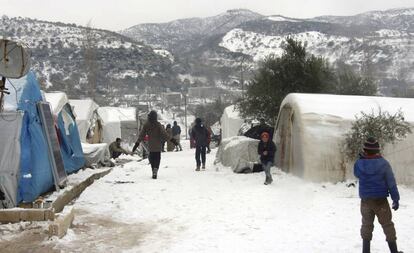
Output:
x=14 y=59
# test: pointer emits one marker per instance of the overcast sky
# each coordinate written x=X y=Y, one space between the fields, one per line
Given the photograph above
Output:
x=119 y=14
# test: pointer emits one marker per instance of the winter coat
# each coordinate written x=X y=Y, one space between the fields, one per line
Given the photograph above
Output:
x=170 y=145
x=200 y=135
x=270 y=147
x=376 y=179
x=176 y=130
x=156 y=134
x=115 y=147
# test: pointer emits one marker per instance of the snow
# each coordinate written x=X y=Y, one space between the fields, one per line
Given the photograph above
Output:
x=281 y=19
x=219 y=211
x=57 y=100
x=349 y=105
x=260 y=45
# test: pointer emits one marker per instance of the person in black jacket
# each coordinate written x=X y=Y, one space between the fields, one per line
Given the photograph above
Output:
x=200 y=135
x=266 y=150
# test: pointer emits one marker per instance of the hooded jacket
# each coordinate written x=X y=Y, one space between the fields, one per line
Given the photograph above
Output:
x=376 y=179
x=200 y=134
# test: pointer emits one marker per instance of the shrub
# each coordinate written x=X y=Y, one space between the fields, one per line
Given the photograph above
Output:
x=383 y=126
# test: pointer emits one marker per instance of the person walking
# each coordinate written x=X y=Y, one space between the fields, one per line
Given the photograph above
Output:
x=170 y=144
x=266 y=150
x=156 y=134
x=200 y=135
x=376 y=182
x=115 y=149
x=176 y=132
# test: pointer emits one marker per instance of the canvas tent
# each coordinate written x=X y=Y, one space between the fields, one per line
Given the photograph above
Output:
x=310 y=130
x=230 y=122
x=25 y=170
x=87 y=119
x=119 y=122
x=68 y=134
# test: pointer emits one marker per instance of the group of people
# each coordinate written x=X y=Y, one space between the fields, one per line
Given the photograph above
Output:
x=376 y=178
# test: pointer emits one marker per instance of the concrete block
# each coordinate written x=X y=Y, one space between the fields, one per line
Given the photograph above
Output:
x=10 y=216
x=62 y=222
x=32 y=215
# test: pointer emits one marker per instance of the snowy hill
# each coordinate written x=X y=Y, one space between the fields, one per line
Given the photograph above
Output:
x=381 y=39
x=171 y=35
x=121 y=64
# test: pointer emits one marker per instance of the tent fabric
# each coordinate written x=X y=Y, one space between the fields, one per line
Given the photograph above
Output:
x=70 y=144
x=230 y=122
x=10 y=125
x=85 y=112
x=118 y=122
x=57 y=100
x=239 y=153
x=95 y=153
x=310 y=130
x=35 y=175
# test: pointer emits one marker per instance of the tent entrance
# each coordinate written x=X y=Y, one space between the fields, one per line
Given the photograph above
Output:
x=284 y=131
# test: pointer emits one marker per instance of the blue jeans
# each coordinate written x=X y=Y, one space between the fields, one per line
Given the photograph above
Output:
x=266 y=168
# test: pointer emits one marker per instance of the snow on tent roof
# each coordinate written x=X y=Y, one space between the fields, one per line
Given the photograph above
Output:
x=57 y=100
x=83 y=108
x=117 y=114
x=231 y=112
x=347 y=107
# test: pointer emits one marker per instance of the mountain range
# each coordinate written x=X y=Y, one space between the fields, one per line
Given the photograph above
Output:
x=214 y=51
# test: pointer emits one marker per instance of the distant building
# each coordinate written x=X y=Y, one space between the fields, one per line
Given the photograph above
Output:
x=172 y=98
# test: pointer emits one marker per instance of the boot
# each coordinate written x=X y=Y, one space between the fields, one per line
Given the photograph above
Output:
x=366 y=246
x=198 y=168
x=154 y=173
x=204 y=166
x=393 y=247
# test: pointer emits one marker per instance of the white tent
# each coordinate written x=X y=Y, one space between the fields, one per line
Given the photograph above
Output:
x=87 y=119
x=119 y=122
x=230 y=122
x=238 y=152
x=310 y=131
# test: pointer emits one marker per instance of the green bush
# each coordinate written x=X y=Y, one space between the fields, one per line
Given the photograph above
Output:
x=383 y=126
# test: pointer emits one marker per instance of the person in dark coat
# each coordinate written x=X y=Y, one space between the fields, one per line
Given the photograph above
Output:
x=176 y=132
x=156 y=134
x=266 y=150
x=200 y=135
x=376 y=183
x=115 y=149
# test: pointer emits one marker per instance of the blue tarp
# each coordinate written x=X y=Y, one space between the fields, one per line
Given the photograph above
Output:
x=35 y=170
x=70 y=144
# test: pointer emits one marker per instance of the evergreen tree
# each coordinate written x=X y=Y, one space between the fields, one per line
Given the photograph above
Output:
x=294 y=71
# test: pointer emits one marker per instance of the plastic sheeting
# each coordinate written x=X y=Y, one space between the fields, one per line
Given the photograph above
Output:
x=239 y=153
x=119 y=122
x=310 y=137
x=95 y=153
x=230 y=122
x=84 y=111
x=70 y=144
x=10 y=129
x=35 y=170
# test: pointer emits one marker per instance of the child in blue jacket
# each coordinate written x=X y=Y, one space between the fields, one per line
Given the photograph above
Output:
x=376 y=183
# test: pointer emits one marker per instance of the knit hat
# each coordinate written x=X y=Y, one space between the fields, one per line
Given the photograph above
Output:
x=152 y=116
x=198 y=121
x=371 y=144
x=264 y=134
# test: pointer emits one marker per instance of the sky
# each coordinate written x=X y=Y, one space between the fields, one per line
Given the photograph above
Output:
x=122 y=14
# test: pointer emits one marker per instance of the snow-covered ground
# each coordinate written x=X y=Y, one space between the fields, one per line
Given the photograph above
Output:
x=219 y=211
x=212 y=211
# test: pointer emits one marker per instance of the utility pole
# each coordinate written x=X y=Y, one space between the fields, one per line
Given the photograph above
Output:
x=185 y=113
